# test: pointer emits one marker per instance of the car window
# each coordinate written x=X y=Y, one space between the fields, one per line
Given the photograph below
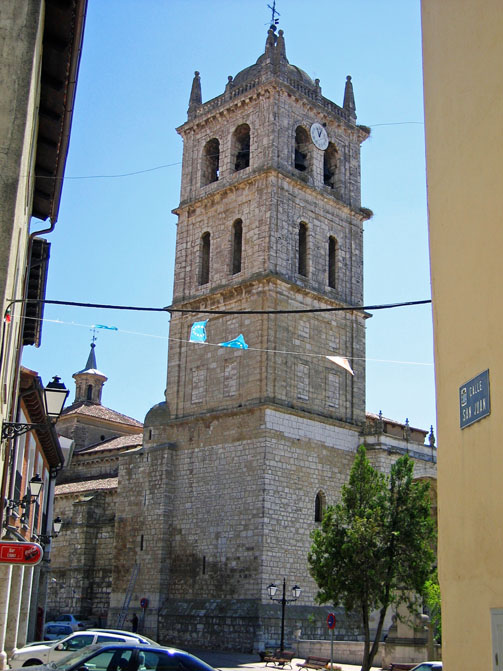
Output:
x=110 y=660
x=64 y=618
x=164 y=661
x=74 y=658
x=102 y=638
x=77 y=642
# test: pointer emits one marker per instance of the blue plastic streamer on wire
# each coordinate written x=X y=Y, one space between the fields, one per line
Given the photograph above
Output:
x=198 y=331
x=102 y=326
x=238 y=343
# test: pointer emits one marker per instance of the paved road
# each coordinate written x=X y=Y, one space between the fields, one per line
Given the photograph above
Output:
x=237 y=661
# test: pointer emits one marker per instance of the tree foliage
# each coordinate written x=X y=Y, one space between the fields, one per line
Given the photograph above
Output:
x=374 y=548
x=434 y=604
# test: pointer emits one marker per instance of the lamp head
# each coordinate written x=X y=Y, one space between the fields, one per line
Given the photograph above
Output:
x=55 y=396
x=272 y=589
x=36 y=484
x=296 y=591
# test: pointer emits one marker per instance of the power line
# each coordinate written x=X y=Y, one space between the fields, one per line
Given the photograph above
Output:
x=172 y=309
x=170 y=165
x=249 y=349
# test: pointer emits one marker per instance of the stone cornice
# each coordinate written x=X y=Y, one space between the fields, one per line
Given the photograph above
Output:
x=231 y=103
x=220 y=295
x=258 y=405
x=223 y=190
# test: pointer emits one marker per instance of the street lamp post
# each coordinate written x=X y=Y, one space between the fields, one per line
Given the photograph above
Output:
x=54 y=398
x=271 y=590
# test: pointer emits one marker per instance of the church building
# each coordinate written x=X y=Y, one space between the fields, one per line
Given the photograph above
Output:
x=259 y=429
x=84 y=499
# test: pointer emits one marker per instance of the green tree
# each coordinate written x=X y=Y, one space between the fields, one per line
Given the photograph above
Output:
x=374 y=548
x=434 y=603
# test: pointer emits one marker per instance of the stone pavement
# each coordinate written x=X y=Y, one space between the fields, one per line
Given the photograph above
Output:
x=237 y=661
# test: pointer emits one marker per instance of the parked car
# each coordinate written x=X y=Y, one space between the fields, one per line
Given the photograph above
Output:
x=44 y=653
x=70 y=620
x=428 y=666
x=130 y=634
x=127 y=657
x=55 y=632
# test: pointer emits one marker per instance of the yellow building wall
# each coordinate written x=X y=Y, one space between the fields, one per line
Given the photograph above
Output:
x=463 y=86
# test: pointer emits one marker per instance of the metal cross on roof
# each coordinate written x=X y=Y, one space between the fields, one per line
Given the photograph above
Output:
x=274 y=20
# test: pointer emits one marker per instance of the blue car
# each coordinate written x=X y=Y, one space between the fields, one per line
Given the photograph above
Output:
x=127 y=657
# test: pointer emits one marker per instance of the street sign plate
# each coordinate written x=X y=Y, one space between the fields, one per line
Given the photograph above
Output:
x=28 y=554
x=474 y=400
x=331 y=621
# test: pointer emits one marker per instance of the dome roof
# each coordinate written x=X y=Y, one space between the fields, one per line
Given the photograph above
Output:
x=275 y=50
x=157 y=415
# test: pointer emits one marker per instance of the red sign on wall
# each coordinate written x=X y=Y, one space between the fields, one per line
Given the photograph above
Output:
x=20 y=553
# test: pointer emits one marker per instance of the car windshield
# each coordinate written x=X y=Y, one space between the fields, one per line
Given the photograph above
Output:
x=148 y=640
x=74 y=657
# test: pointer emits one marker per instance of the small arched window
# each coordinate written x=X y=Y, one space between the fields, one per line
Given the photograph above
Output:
x=237 y=246
x=301 y=149
x=89 y=392
x=302 y=258
x=330 y=163
x=204 y=258
x=319 y=507
x=211 y=162
x=241 y=147
x=332 y=261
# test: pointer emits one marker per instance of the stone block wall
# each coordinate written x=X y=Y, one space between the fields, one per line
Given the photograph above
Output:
x=85 y=433
x=202 y=378
x=90 y=467
x=81 y=569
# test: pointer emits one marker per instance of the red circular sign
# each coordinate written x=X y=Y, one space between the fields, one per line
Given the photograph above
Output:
x=20 y=553
x=331 y=621
x=144 y=602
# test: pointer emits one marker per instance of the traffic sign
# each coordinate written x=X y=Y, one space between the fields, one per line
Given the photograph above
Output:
x=331 y=621
x=28 y=554
x=144 y=602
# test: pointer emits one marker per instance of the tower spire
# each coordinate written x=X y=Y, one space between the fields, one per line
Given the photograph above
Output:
x=349 y=98
x=91 y=359
x=89 y=381
x=196 y=98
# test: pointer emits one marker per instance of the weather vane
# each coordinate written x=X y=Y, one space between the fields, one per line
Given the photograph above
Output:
x=274 y=20
x=95 y=337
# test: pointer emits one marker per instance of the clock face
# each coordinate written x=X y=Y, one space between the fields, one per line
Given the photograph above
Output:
x=319 y=136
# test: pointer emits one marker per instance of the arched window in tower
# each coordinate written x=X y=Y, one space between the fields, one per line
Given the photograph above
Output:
x=332 y=262
x=241 y=147
x=89 y=394
x=330 y=162
x=301 y=149
x=237 y=246
x=302 y=259
x=319 y=507
x=204 y=259
x=211 y=162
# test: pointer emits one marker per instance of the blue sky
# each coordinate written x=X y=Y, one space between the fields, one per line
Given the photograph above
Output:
x=115 y=237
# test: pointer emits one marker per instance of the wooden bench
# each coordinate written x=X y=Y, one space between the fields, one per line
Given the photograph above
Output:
x=280 y=658
x=313 y=662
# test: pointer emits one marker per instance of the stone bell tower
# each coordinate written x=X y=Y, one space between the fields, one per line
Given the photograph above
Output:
x=250 y=445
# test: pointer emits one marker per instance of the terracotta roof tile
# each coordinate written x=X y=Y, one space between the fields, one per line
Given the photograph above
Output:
x=100 y=412
x=119 y=443
x=86 y=486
